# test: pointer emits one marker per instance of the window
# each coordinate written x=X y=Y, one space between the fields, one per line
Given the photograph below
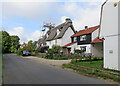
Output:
x=47 y=35
x=75 y=39
x=83 y=48
x=58 y=32
x=83 y=38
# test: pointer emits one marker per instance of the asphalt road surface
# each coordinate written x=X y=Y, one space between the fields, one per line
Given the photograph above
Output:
x=17 y=70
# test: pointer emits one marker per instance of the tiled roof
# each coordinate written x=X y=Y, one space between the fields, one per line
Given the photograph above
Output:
x=97 y=40
x=87 y=31
x=69 y=44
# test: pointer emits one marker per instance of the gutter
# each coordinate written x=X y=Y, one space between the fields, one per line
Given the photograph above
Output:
x=101 y=17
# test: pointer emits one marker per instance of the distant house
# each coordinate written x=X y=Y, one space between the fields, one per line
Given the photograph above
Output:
x=60 y=35
x=86 y=40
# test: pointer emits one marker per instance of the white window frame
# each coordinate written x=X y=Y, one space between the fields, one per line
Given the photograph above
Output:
x=83 y=38
x=75 y=39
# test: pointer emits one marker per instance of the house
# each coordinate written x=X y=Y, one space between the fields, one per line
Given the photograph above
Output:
x=110 y=32
x=60 y=35
x=86 y=40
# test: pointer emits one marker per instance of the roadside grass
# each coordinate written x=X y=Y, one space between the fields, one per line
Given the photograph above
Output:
x=93 y=64
x=94 y=73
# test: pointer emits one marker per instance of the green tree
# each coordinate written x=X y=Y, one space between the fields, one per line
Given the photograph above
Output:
x=14 y=43
x=9 y=43
x=24 y=46
x=6 y=42
x=29 y=46
x=34 y=44
x=19 y=52
x=0 y=41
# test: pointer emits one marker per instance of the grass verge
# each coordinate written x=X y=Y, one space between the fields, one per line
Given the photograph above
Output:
x=93 y=64
x=94 y=73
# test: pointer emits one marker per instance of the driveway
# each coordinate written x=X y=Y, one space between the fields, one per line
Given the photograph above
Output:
x=17 y=70
x=58 y=63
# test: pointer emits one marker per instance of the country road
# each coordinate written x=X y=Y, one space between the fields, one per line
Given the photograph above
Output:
x=17 y=70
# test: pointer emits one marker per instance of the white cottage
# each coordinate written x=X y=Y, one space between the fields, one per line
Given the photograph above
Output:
x=110 y=32
x=60 y=35
x=86 y=40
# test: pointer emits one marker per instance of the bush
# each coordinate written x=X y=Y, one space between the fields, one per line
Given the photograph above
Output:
x=19 y=52
x=49 y=54
x=56 y=49
x=78 y=51
x=34 y=53
x=43 y=56
x=60 y=58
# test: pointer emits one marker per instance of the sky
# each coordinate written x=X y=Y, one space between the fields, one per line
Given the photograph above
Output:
x=26 y=18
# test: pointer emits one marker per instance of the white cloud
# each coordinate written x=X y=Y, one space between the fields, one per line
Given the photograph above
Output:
x=35 y=35
x=28 y=10
x=89 y=17
x=82 y=15
x=54 y=0
x=63 y=18
x=70 y=7
x=24 y=36
x=17 y=31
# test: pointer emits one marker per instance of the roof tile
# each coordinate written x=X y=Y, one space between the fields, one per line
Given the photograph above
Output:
x=69 y=44
x=97 y=40
x=87 y=31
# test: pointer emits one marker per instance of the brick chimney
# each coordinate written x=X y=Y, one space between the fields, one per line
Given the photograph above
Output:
x=68 y=20
x=86 y=27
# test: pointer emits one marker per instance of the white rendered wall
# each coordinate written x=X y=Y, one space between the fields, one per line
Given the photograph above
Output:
x=119 y=35
x=47 y=43
x=67 y=37
x=97 y=49
x=95 y=34
x=109 y=31
x=119 y=50
x=109 y=22
x=50 y=43
x=59 y=42
x=111 y=52
x=73 y=47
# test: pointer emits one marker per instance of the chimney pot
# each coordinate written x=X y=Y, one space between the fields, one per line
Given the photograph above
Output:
x=86 y=27
x=68 y=20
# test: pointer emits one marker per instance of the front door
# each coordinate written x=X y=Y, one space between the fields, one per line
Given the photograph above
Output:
x=69 y=50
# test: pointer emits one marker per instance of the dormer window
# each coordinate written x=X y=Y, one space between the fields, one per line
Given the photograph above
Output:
x=83 y=38
x=60 y=29
x=47 y=35
x=75 y=39
x=58 y=32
